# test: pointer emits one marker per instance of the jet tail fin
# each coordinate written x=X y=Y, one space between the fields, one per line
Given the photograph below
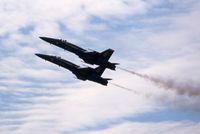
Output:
x=107 y=53
x=99 y=70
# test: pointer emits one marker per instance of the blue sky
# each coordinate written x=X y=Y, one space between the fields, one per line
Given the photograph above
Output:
x=159 y=38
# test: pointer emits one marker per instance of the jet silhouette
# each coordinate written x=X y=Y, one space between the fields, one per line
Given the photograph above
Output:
x=86 y=73
x=90 y=57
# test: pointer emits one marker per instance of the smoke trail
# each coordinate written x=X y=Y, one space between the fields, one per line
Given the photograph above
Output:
x=181 y=89
x=125 y=88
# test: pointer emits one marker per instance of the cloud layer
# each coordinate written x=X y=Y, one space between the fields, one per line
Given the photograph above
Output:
x=155 y=37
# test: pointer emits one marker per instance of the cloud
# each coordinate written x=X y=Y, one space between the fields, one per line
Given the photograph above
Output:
x=143 y=128
x=37 y=97
x=75 y=15
x=75 y=109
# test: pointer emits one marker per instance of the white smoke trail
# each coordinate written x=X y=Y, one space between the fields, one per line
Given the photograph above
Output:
x=181 y=89
x=125 y=88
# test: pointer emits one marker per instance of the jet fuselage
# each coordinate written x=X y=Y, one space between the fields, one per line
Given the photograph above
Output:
x=90 y=57
x=81 y=73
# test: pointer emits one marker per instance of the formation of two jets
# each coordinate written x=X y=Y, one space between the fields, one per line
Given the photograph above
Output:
x=90 y=57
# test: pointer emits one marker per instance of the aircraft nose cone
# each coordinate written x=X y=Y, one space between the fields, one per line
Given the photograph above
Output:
x=37 y=54
x=49 y=40
x=43 y=56
x=45 y=38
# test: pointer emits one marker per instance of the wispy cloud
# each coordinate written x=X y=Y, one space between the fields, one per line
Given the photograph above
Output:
x=143 y=128
x=37 y=97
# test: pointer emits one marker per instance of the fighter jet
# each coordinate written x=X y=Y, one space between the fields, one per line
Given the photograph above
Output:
x=86 y=73
x=90 y=57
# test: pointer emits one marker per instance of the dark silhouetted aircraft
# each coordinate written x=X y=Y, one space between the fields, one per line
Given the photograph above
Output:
x=86 y=73
x=90 y=57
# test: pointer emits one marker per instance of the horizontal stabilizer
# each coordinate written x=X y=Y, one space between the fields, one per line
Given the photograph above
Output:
x=115 y=63
x=107 y=79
